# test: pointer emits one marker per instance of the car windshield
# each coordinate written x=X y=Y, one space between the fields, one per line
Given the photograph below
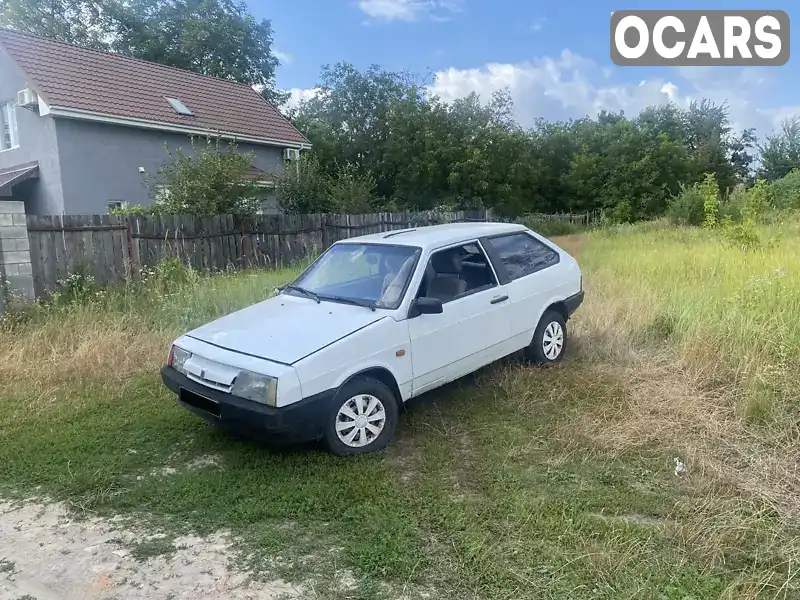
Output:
x=375 y=275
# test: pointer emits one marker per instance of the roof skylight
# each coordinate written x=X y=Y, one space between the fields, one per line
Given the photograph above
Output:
x=178 y=106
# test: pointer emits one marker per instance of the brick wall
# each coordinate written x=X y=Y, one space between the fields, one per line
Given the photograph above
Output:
x=16 y=272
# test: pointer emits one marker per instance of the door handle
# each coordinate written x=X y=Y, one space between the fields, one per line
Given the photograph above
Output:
x=499 y=299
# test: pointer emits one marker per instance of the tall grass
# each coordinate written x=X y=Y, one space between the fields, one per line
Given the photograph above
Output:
x=121 y=332
x=731 y=315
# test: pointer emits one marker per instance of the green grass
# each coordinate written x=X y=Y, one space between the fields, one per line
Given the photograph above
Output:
x=516 y=483
x=736 y=308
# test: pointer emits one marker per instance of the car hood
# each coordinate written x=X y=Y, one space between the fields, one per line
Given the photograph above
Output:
x=286 y=328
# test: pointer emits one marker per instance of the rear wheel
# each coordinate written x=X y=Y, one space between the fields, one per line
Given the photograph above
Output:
x=363 y=418
x=549 y=340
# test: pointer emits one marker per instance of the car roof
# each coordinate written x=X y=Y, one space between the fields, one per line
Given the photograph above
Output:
x=436 y=236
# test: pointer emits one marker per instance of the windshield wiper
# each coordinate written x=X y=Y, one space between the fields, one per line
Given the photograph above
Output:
x=355 y=301
x=303 y=291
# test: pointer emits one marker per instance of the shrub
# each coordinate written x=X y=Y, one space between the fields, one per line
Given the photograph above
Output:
x=622 y=212
x=709 y=189
x=136 y=209
x=351 y=192
x=687 y=207
x=549 y=228
x=210 y=181
x=756 y=202
x=731 y=207
x=743 y=235
x=784 y=193
x=303 y=189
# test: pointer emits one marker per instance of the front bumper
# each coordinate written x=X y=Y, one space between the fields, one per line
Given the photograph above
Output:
x=573 y=302
x=298 y=422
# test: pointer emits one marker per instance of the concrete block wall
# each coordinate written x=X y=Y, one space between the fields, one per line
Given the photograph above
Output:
x=16 y=271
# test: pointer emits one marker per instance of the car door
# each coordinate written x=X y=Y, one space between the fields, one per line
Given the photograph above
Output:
x=531 y=269
x=473 y=327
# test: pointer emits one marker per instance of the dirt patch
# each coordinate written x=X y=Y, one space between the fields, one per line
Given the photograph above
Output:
x=207 y=461
x=52 y=557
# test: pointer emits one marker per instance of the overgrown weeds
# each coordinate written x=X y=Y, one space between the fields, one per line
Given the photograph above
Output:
x=84 y=332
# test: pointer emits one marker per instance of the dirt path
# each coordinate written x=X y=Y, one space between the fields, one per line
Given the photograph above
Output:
x=45 y=555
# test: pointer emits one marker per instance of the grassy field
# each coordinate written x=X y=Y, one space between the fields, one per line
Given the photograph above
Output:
x=515 y=483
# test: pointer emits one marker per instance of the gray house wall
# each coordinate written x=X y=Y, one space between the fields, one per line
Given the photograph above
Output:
x=83 y=165
x=100 y=162
x=37 y=141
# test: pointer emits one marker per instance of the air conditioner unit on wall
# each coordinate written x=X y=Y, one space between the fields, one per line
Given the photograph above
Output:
x=291 y=154
x=27 y=98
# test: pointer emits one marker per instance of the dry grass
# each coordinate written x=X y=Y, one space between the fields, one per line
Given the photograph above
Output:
x=116 y=335
x=81 y=344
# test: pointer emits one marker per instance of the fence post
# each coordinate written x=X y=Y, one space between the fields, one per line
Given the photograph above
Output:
x=244 y=242
x=324 y=231
x=129 y=234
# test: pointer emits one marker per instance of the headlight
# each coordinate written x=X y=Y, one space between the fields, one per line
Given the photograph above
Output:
x=178 y=357
x=256 y=387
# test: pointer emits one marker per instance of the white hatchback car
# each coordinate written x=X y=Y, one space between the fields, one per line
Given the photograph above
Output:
x=374 y=321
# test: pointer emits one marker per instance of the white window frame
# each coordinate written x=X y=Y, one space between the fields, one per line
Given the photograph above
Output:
x=122 y=205
x=11 y=112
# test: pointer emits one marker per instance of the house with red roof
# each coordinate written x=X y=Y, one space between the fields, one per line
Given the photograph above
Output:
x=81 y=129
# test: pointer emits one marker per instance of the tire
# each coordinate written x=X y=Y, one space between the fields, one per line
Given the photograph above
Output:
x=544 y=348
x=367 y=398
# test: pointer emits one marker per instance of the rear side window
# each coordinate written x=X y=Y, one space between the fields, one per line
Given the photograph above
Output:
x=523 y=254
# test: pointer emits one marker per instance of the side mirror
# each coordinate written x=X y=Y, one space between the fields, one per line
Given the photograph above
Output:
x=425 y=306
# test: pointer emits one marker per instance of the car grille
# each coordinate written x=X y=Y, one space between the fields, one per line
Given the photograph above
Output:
x=209 y=383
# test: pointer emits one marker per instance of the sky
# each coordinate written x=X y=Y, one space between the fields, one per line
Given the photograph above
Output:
x=553 y=56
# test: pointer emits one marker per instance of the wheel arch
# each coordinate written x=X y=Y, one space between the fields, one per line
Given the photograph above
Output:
x=382 y=374
x=558 y=306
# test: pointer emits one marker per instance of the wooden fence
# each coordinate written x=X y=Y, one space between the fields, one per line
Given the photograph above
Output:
x=114 y=248
x=579 y=219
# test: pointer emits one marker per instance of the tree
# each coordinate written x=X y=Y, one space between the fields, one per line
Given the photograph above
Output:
x=348 y=121
x=304 y=189
x=780 y=153
x=213 y=37
x=710 y=142
x=71 y=21
x=211 y=180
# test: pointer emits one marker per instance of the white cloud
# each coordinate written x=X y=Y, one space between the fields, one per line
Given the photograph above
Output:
x=410 y=10
x=297 y=95
x=284 y=57
x=571 y=86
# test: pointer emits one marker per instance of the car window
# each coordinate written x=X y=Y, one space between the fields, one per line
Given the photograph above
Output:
x=456 y=272
x=374 y=273
x=522 y=254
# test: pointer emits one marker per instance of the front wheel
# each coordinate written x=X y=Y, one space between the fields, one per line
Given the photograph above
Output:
x=549 y=340
x=363 y=418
